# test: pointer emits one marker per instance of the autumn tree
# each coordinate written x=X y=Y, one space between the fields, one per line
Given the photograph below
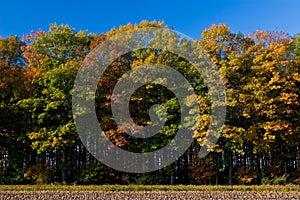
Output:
x=54 y=58
x=259 y=139
x=13 y=87
x=262 y=100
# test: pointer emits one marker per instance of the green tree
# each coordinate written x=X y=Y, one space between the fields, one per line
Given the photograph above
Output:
x=54 y=57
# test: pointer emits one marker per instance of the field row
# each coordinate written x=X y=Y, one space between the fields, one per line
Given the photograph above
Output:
x=148 y=195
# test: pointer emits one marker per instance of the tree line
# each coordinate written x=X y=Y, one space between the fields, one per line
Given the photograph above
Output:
x=259 y=142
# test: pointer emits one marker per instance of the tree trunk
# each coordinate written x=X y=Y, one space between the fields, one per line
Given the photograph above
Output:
x=63 y=173
x=172 y=180
x=230 y=169
x=298 y=159
x=217 y=178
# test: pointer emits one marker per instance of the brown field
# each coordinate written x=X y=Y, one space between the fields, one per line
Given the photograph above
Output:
x=153 y=195
x=144 y=192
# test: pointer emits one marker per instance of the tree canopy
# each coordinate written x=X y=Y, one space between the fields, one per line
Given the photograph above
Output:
x=259 y=141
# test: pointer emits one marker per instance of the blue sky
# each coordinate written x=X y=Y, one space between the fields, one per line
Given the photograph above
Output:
x=188 y=17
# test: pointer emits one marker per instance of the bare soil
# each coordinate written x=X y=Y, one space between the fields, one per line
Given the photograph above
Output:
x=49 y=195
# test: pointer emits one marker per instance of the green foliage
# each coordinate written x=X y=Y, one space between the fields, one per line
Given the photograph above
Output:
x=91 y=174
x=38 y=140
x=281 y=180
x=278 y=180
x=266 y=181
x=150 y=179
x=12 y=176
x=297 y=46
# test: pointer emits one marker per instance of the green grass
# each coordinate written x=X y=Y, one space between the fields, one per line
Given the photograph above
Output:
x=258 y=188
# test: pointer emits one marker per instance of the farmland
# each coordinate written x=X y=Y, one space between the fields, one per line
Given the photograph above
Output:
x=148 y=192
x=149 y=195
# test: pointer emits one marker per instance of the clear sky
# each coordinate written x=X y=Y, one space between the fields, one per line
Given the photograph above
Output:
x=188 y=17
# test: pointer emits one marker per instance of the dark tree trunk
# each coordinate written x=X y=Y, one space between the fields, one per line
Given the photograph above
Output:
x=230 y=169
